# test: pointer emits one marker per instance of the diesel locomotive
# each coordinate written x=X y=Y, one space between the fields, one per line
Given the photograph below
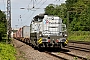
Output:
x=44 y=31
x=48 y=31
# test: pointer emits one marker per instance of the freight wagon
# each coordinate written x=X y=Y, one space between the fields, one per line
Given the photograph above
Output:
x=26 y=34
x=23 y=34
x=48 y=31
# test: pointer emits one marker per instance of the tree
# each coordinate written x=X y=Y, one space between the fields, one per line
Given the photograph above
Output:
x=3 y=24
x=57 y=10
x=81 y=16
x=49 y=9
x=79 y=13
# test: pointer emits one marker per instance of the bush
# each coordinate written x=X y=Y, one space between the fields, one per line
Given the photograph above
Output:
x=79 y=35
x=7 y=52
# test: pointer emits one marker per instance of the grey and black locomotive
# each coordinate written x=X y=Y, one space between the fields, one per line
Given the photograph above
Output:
x=48 y=31
x=44 y=31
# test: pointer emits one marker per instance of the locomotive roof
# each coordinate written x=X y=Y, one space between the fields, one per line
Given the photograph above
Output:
x=41 y=16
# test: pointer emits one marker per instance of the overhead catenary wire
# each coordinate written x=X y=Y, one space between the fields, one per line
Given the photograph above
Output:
x=38 y=2
x=23 y=14
x=25 y=9
x=39 y=6
x=35 y=11
x=35 y=5
x=27 y=14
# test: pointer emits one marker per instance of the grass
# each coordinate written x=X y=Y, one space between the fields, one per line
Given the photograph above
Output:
x=79 y=36
x=7 y=51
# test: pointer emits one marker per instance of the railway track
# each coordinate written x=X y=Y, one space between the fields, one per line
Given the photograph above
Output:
x=78 y=57
x=78 y=48
x=55 y=55
x=68 y=54
x=80 y=42
x=65 y=55
x=84 y=52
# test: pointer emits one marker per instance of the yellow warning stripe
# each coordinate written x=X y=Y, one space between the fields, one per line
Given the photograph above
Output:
x=66 y=41
x=40 y=41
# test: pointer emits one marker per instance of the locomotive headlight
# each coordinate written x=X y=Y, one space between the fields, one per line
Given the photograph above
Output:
x=65 y=35
x=40 y=35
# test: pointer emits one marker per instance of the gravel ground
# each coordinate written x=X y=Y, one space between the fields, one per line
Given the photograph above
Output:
x=26 y=52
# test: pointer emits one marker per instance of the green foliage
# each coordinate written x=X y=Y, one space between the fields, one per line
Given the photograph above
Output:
x=79 y=13
x=80 y=20
x=79 y=35
x=7 y=52
x=57 y=10
x=50 y=9
x=3 y=24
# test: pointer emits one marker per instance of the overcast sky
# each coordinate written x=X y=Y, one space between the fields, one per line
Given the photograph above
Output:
x=22 y=17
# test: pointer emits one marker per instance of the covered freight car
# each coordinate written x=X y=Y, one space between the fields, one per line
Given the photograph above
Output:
x=26 y=33
x=23 y=34
x=48 y=31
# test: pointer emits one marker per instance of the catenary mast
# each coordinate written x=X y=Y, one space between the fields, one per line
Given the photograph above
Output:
x=9 y=18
